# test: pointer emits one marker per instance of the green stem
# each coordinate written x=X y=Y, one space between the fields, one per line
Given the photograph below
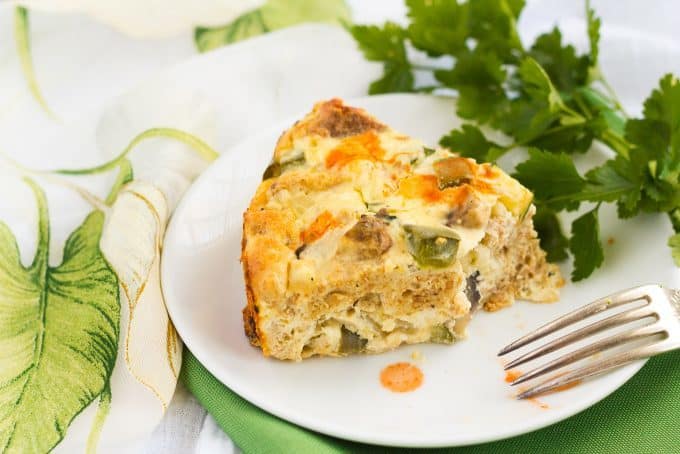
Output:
x=583 y=106
x=521 y=143
x=22 y=40
x=198 y=145
x=611 y=94
x=547 y=132
x=573 y=113
x=616 y=142
x=583 y=197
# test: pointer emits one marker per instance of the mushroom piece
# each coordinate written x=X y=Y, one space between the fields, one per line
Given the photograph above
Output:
x=472 y=290
x=472 y=214
x=367 y=239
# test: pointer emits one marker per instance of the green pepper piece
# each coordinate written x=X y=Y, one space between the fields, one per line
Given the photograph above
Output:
x=275 y=169
x=440 y=334
x=429 y=247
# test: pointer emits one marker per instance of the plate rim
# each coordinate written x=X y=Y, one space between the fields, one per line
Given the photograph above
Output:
x=557 y=415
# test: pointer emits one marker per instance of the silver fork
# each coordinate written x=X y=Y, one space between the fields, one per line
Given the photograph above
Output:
x=660 y=311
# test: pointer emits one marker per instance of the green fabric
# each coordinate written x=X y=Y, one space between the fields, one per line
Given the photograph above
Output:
x=641 y=417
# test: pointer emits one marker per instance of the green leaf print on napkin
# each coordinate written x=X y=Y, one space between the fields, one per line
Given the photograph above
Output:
x=59 y=329
x=273 y=15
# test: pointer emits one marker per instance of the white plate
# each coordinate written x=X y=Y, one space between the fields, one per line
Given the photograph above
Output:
x=464 y=398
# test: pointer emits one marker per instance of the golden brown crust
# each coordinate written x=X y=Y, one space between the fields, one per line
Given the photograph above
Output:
x=335 y=119
x=250 y=320
x=268 y=237
x=329 y=119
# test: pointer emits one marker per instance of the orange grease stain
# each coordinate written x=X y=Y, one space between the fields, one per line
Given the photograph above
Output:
x=538 y=403
x=319 y=226
x=565 y=387
x=512 y=375
x=533 y=400
x=401 y=377
x=364 y=146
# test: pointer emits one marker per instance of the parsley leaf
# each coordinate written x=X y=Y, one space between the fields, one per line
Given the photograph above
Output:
x=575 y=138
x=538 y=86
x=654 y=153
x=381 y=43
x=478 y=76
x=564 y=68
x=493 y=24
x=386 y=44
x=469 y=141
x=649 y=137
x=396 y=78
x=663 y=106
x=540 y=112
x=437 y=26
x=552 y=177
x=553 y=241
x=585 y=245
x=612 y=181
x=524 y=119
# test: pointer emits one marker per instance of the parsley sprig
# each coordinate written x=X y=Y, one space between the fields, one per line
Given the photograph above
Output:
x=545 y=97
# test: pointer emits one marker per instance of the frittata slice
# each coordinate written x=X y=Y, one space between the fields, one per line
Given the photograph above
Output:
x=360 y=239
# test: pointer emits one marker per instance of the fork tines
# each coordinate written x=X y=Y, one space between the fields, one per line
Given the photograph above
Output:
x=652 y=313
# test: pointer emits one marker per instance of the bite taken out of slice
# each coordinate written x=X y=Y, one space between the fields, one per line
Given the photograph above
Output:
x=360 y=239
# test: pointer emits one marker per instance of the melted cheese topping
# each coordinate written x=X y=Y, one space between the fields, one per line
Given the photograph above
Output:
x=388 y=171
x=364 y=147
